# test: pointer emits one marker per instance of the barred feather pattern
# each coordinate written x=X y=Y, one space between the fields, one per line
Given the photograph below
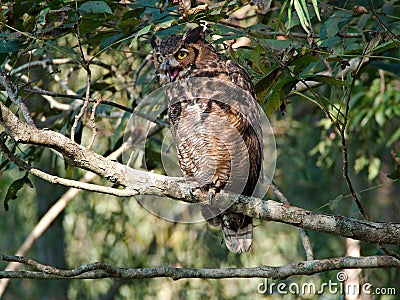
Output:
x=217 y=135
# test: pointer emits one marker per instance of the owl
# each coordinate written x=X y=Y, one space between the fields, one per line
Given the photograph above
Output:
x=218 y=142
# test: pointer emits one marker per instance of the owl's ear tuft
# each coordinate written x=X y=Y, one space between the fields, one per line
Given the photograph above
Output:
x=154 y=41
x=194 y=35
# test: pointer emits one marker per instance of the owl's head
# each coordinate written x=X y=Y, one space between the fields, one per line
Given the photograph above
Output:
x=176 y=56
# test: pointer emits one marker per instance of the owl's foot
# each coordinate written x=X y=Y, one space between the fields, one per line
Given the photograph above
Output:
x=191 y=192
x=211 y=196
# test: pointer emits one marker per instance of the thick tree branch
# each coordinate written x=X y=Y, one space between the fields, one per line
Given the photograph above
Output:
x=146 y=183
x=63 y=181
x=103 y=270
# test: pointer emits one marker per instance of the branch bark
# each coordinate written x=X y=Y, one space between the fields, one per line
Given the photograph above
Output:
x=102 y=270
x=147 y=183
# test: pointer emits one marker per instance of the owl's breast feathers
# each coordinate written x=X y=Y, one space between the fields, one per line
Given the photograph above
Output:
x=217 y=131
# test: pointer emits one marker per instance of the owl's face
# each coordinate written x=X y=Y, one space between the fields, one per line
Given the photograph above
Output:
x=176 y=56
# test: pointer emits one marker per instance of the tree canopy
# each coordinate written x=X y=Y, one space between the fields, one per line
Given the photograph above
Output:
x=76 y=77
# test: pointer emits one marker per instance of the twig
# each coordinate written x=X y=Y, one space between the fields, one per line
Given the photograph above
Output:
x=346 y=167
x=13 y=94
x=42 y=63
x=389 y=32
x=63 y=181
x=391 y=253
x=305 y=239
x=293 y=34
x=83 y=108
x=136 y=74
x=103 y=270
x=342 y=130
x=93 y=122
x=307 y=84
x=53 y=103
x=86 y=66
x=37 y=90
x=59 y=80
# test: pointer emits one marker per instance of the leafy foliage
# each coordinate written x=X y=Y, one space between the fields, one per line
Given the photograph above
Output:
x=320 y=63
x=14 y=188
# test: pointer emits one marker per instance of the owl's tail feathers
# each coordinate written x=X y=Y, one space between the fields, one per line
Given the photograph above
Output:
x=237 y=231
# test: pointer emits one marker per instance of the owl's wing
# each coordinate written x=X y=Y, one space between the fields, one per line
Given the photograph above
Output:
x=238 y=76
x=250 y=110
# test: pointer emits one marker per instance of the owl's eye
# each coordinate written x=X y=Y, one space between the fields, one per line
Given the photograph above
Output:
x=181 y=55
x=159 y=59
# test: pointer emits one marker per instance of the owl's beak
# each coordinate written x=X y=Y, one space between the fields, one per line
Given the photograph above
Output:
x=171 y=69
x=173 y=73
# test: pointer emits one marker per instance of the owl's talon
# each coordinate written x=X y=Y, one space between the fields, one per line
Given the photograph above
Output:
x=211 y=195
x=191 y=192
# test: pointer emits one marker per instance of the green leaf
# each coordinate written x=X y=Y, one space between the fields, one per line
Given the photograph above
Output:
x=107 y=41
x=303 y=61
x=289 y=14
x=326 y=79
x=302 y=17
x=276 y=91
x=51 y=46
x=385 y=47
x=134 y=43
x=95 y=7
x=263 y=86
x=373 y=168
x=305 y=10
x=13 y=190
x=335 y=23
x=394 y=175
x=315 y=5
x=394 y=138
x=380 y=115
x=330 y=42
x=11 y=46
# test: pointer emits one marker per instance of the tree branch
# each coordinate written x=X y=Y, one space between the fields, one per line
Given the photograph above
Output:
x=102 y=270
x=53 y=102
x=48 y=218
x=13 y=94
x=147 y=183
x=305 y=238
x=63 y=181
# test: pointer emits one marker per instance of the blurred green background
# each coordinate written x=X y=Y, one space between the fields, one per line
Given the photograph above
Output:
x=115 y=37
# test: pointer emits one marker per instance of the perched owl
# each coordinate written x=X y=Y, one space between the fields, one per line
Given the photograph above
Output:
x=219 y=143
